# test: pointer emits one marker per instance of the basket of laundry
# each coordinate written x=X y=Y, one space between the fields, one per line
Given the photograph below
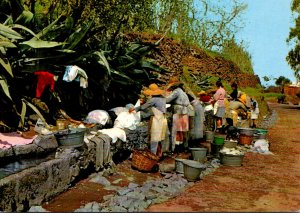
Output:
x=144 y=160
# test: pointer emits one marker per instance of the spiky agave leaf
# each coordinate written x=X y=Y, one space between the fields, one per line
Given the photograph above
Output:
x=4 y=86
x=9 y=33
x=25 y=17
x=6 y=66
x=77 y=36
x=36 y=43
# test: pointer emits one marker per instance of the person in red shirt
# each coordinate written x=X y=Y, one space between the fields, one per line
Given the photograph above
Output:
x=204 y=97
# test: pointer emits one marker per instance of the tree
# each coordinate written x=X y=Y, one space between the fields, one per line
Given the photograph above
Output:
x=293 y=57
x=206 y=23
x=281 y=81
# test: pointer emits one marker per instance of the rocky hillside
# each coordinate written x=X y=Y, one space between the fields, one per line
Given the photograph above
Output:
x=173 y=55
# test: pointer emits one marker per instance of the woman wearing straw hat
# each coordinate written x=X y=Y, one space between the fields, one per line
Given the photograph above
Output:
x=158 y=125
x=181 y=109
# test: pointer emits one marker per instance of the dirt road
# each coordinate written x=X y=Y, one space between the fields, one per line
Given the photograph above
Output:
x=263 y=183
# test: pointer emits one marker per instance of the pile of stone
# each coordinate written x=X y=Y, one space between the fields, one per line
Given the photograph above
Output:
x=136 y=197
x=269 y=120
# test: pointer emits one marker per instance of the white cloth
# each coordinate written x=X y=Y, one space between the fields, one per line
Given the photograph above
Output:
x=261 y=146
x=115 y=134
x=254 y=113
x=138 y=114
x=97 y=117
x=127 y=120
x=76 y=73
x=118 y=110
x=216 y=105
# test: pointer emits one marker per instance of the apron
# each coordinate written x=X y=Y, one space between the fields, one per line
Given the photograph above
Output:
x=180 y=124
x=158 y=127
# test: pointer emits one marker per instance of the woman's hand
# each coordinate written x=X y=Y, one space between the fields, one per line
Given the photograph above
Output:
x=131 y=110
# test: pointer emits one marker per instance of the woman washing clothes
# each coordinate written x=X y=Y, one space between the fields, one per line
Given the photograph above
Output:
x=181 y=109
x=158 y=126
x=219 y=106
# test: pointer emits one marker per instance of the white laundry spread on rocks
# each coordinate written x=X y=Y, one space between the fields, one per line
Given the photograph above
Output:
x=125 y=120
x=97 y=117
x=115 y=134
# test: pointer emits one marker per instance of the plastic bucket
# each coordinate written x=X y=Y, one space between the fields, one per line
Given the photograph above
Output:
x=219 y=140
x=192 y=169
x=179 y=165
x=231 y=160
x=71 y=137
x=209 y=135
x=199 y=154
x=230 y=144
x=245 y=139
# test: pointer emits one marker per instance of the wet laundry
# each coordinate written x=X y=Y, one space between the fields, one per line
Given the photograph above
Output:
x=44 y=79
x=74 y=72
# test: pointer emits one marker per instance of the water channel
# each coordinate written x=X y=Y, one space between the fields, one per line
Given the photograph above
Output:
x=12 y=166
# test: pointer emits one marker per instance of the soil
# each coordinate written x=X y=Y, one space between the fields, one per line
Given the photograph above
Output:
x=263 y=183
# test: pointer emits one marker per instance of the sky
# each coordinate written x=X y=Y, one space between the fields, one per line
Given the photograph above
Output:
x=267 y=26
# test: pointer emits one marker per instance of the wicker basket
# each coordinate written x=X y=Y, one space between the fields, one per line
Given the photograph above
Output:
x=144 y=160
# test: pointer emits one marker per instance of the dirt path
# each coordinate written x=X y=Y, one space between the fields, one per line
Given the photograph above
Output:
x=263 y=183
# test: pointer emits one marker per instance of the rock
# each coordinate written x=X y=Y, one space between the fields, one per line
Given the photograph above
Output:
x=27 y=149
x=160 y=199
x=46 y=142
x=101 y=180
x=117 y=181
x=107 y=197
x=96 y=207
x=118 y=200
x=151 y=196
x=118 y=209
x=6 y=152
x=158 y=189
x=166 y=167
x=113 y=188
x=135 y=195
x=123 y=191
x=132 y=185
x=126 y=204
x=168 y=175
x=37 y=209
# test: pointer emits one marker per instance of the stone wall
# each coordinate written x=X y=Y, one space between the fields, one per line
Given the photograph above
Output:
x=40 y=145
x=33 y=186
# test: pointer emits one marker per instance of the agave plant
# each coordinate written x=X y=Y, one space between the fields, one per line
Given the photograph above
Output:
x=117 y=69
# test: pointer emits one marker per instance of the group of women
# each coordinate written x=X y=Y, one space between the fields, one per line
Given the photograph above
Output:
x=185 y=118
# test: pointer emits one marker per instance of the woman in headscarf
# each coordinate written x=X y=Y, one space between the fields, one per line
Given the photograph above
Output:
x=181 y=108
x=158 y=126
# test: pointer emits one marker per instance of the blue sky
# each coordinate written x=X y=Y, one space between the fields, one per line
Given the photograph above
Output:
x=267 y=25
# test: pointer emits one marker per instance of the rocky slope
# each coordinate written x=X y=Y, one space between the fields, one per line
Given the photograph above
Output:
x=173 y=56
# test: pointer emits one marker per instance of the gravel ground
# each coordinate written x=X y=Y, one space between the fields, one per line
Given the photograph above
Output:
x=270 y=120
